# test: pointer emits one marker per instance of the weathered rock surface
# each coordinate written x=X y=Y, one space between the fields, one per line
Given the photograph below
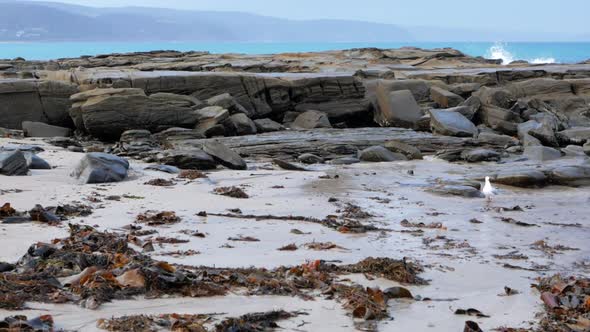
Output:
x=451 y=124
x=35 y=100
x=267 y=126
x=240 y=124
x=36 y=162
x=107 y=116
x=224 y=155
x=99 y=167
x=187 y=159
x=571 y=175
x=13 y=163
x=444 y=98
x=524 y=178
x=497 y=139
x=380 y=154
x=209 y=117
x=311 y=120
x=541 y=153
x=40 y=129
x=575 y=135
x=411 y=152
x=457 y=190
x=478 y=155
x=308 y=158
x=396 y=108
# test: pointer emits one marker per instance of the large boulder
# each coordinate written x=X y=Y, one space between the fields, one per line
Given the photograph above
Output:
x=479 y=155
x=226 y=101
x=451 y=124
x=419 y=88
x=521 y=178
x=500 y=119
x=99 y=167
x=444 y=98
x=380 y=154
x=209 y=117
x=410 y=151
x=575 y=135
x=497 y=97
x=396 y=108
x=187 y=159
x=13 y=163
x=40 y=129
x=36 y=162
x=107 y=116
x=240 y=124
x=224 y=155
x=311 y=120
x=571 y=175
x=35 y=100
x=541 y=153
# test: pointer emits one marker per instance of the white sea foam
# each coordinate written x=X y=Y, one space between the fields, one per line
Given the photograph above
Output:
x=500 y=51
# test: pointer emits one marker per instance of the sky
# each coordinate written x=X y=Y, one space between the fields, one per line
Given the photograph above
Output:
x=517 y=15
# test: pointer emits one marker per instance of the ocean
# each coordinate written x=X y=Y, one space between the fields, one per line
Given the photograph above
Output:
x=534 y=52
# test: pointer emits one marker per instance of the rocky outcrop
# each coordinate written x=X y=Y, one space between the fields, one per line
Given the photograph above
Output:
x=444 y=98
x=107 y=115
x=98 y=167
x=35 y=100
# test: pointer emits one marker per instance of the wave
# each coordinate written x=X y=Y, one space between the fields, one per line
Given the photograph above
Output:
x=500 y=51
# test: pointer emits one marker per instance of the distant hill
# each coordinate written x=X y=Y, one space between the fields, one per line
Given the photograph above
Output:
x=47 y=21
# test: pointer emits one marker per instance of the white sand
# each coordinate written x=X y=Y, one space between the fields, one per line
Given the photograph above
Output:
x=475 y=278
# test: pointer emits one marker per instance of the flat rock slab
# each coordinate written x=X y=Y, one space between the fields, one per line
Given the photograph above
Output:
x=380 y=154
x=451 y=124
x=97 y=167
x=329 y=142
x=40 y=129
x=523 y=179
x=224 y=155
x=457 y=190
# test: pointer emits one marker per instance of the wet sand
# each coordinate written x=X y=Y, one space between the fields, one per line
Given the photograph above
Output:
x=461 y=267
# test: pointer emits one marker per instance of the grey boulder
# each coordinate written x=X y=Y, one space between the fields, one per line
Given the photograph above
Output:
x=445 y=98
x=451 y=124
x=40 y=129
x=396 y=108
x=268 y=125
x=97 y=167
x=478 y=155
x=308 y=158
x=13 y=163
x=311 y=120
x=242 y=125
x=521 y=178
x=380 y=154
x=571 y=175
x=187 y=159
x=457 y=190
x=541 y=153
x=410 y=151
x=224 y=155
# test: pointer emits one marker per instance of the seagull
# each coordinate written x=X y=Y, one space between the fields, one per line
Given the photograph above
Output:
x=488 y=190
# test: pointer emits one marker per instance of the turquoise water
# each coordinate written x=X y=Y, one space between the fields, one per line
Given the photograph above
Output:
x=533 y=52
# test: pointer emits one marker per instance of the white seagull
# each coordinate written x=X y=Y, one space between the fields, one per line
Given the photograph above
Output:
x=488 y=190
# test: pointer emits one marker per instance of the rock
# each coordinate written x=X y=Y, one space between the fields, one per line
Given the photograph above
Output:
x=229 y=103
x=587 y=148
x=410 y=151
x=352 y=112
x=497 y=97
x=209 y=117
x=36 y=162
x=540 y=87
x=97 y=167
x=311 y=120
x=268 y=125
x=22 y=147
x=541 y=153
x=288 y=166
x=396 y=109
x=544 y=133
x=39 y=129
x=344 y=161
x=241 y=125
x=108 y=116
x=224 y=155
x=380 y=154
x=63 y=142
x=35 y=100
x=134 y=142
x=8 y=133
x=474 y=104
x=308 y=158
x=457 y=190
x=574 y=151
x=521 y=178
x=575 y=135
x=451 y=124
x=500 y=119
x=467 y=111
x=571 y=175
x=449 y=155
x=419 y=88
x=163 y=168
x=496 y=139
x=13 y=163
x=73 y=148
x=444 y=98
x=177 y=134
x=187 y=159
x=478 y=155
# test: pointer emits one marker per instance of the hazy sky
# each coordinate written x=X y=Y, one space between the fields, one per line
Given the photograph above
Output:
x=524 y=15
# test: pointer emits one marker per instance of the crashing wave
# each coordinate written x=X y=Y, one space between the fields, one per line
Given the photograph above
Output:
x=500 y=51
